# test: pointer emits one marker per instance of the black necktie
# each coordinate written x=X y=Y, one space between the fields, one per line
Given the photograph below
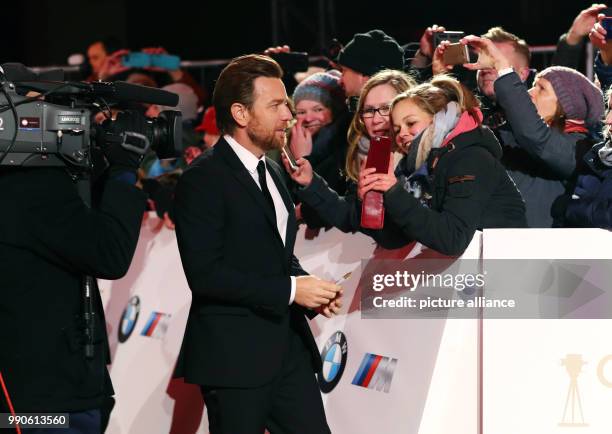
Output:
x=261 y=171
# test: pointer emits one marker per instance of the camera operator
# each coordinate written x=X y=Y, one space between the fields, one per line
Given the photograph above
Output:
x=50 y=238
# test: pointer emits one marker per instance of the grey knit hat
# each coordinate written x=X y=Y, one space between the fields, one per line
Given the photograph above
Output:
x=579 y=98
x=323 y=87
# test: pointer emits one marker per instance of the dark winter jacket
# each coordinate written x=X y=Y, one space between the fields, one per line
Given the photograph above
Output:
x=471 y=190
x=541 y=160
x=591 y=203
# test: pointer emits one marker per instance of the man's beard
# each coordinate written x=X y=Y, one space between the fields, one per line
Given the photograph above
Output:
x=266 y=140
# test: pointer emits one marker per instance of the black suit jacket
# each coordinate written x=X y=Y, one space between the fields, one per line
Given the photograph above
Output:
x=238 y=271
x=48 y=240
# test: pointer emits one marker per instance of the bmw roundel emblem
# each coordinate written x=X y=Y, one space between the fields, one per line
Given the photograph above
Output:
x=333 y=357
x=129 y=318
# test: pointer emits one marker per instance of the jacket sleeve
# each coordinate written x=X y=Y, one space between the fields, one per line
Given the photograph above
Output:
x=569 y=55
x=594 y=207
x=200 y=229
x=335 y=210
x=95 y=241
x=604 y=73
x=556 y=150
x=590 y=212
x=450 y=230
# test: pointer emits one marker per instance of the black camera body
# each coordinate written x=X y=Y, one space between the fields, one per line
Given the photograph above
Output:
x=46 y=124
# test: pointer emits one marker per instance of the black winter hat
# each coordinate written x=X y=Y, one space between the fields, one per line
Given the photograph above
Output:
x=368 y=53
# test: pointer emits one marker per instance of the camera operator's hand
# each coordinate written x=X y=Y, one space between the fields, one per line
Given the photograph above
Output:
x=437 y=63
x=312 y=292
x=109 y=138
x=583 y=23
x=489 y=56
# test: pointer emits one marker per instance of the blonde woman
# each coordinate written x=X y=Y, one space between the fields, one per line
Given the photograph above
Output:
x=370 y=120
x=451 y=181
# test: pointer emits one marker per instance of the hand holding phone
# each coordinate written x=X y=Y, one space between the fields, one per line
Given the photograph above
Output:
x=456 y=54
x=290 y=158
x=379 y=153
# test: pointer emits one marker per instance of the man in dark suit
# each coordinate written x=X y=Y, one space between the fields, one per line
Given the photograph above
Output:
x=247 y=341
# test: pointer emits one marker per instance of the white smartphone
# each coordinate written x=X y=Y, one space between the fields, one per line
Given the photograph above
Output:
x=290 y=158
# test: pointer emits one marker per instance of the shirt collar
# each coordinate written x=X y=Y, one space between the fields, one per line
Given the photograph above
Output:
x=249 y=160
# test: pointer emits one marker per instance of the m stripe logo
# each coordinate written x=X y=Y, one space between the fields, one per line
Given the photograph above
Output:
x=375 y=372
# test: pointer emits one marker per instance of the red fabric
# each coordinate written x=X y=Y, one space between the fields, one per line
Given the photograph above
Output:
x=209 y=122
x=468 y=121
x=573 y=126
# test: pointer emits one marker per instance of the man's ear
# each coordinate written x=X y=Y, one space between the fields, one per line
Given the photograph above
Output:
x=240 y=114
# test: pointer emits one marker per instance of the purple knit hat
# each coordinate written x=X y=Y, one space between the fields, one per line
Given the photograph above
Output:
x=579 y=98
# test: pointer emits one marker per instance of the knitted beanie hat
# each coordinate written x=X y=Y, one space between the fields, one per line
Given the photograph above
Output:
x=368 y=53
x=322 y=87
x=579 y=98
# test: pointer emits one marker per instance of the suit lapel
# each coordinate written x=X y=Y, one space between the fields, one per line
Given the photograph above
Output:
x=245 y=178
x=282 y=189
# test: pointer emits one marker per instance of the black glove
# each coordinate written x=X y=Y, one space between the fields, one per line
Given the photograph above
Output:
x=112 y=137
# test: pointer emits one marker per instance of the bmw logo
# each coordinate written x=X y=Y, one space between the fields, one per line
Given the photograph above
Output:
x=333 y=357
x=129 y=318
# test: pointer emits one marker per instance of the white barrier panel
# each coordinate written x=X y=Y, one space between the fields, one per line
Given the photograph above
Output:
x=421 y=368
x=147 y=310
x=401 y=394
x=550 y=376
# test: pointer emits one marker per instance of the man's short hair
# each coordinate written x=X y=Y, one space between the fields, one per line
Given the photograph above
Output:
x=235 y=85
x=498 y=34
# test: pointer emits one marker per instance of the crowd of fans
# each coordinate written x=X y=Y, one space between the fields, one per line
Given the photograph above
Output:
x=490 y=143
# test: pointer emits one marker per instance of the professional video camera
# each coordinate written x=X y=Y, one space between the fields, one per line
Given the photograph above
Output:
x=51 y=122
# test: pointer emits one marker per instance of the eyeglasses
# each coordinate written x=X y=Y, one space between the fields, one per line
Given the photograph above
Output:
x=370 y=112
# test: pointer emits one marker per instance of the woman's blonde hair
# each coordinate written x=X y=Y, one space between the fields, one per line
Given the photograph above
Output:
x=433 y=96
x=398 y=80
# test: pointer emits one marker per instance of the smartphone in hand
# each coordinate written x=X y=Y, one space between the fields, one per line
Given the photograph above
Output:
x=456 y=54
x=379 y=154
x=289 y=155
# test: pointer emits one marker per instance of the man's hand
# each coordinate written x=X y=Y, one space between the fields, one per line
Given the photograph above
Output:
x=312 y=292
x=583 y=23
x=333 y=308
x=489 y=56
x=426 y=46
x=437 y=63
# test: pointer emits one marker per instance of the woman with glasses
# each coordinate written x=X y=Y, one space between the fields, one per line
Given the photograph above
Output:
x=370 y=120
x=451 y=181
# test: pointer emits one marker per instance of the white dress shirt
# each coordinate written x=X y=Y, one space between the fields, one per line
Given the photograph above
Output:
x=250 y=162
